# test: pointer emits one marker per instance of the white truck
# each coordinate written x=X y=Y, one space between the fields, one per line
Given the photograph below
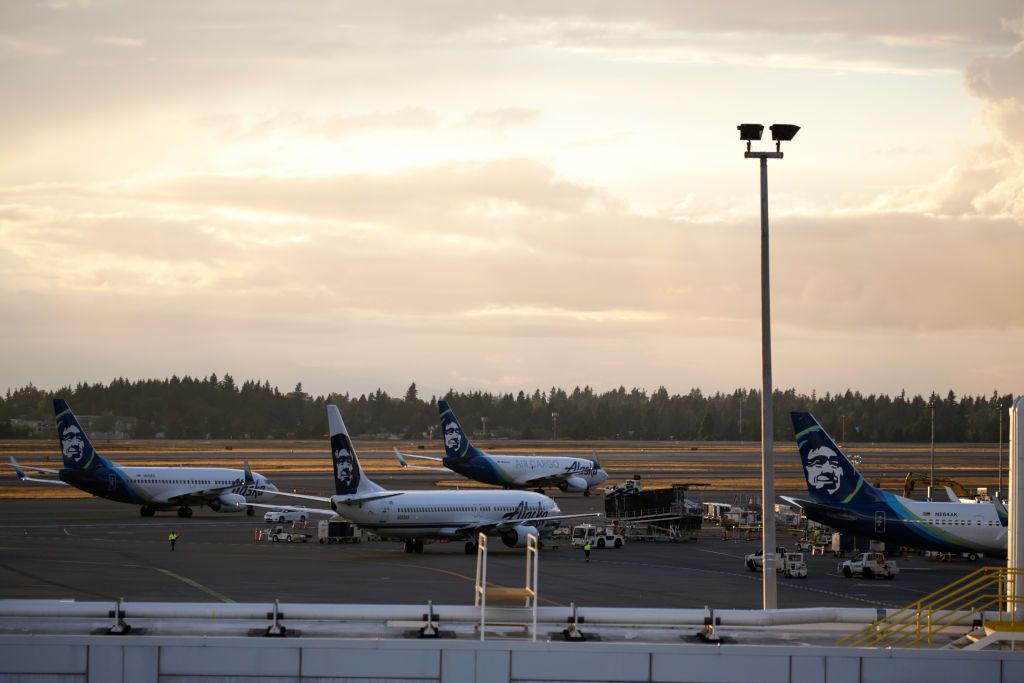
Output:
x=790 y=564
x=281 y=535
x=600 y=537
x=869 y=565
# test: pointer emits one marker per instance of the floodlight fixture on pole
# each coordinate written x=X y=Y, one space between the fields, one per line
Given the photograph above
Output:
x=781 y=132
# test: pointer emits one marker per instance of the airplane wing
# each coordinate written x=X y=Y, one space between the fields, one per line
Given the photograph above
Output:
x=312 y=511
x=402 y=456
x=350 y=500
x=546 y=480
x=506 y=524
x=23 y=477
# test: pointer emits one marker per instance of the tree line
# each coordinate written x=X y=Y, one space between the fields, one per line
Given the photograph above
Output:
x=218 y=407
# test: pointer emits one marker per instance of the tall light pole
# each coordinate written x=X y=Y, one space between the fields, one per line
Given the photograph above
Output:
x=931 y=465
x=781 y=132
x=999 y=411
x=554 y=426
x=483 y=424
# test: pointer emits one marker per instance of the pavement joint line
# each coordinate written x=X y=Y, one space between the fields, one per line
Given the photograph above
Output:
x=194 y=584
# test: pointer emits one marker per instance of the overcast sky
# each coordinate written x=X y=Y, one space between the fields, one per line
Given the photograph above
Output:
x=503 y=196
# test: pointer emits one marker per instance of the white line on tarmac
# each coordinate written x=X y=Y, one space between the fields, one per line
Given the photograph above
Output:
x=194 y=584
x=716 y=552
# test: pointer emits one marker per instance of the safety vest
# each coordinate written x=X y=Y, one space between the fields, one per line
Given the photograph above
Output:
x=172 y=537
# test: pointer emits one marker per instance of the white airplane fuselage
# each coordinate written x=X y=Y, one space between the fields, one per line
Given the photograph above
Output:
x=168 y=487
x=442 y=514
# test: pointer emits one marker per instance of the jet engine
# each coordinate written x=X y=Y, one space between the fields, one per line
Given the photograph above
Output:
x=516 y=538
x=573 y=485
x=228 y=502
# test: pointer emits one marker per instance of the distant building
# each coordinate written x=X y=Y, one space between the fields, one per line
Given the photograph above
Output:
x=114 y=427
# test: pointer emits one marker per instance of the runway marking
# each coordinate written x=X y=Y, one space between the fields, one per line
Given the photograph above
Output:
x=194 y=584
x=466 y=577
x=716 y=552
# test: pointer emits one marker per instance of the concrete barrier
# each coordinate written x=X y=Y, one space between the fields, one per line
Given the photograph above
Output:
x=169 y=659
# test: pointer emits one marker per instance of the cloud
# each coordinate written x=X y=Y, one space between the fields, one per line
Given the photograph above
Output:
x=119 y=41
x=503 y=117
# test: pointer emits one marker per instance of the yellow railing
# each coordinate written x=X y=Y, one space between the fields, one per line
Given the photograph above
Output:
x=987 y=595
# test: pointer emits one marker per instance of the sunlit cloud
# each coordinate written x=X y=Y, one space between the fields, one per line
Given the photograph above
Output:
x=548 y=194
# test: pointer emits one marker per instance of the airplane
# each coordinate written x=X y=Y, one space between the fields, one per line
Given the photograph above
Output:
x=842 y=499
x=152 y=488
x=418 y=515
x=570 y=475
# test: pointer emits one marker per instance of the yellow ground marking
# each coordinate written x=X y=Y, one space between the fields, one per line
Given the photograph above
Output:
x=194 y=584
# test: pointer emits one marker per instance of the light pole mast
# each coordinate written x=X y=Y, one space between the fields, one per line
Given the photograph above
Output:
x=999 y=486
x=931 y=461
x=780 y=134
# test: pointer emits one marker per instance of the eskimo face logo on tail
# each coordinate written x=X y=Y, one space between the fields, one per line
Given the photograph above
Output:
x=452 y=436
x=824 y=470
x=72 y=445
x=346 y=469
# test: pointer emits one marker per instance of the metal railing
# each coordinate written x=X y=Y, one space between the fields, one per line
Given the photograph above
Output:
x=985 y=597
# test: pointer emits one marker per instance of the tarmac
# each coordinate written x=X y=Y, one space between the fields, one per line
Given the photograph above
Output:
x=92 y=549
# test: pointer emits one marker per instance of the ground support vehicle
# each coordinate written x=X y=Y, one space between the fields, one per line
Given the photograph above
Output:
x=755 y=561
x=657 y=514
x=600 y=537
x=281 y=535
x=869 y=565
x=793 y=565
x=335 y=531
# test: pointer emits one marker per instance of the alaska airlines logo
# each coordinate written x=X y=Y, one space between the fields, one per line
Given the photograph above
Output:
x=453 y=437
x=578 y=467
x=346 y=472
x=824 y=470
x=72 y=442
x=524 y=511
x=252 y=491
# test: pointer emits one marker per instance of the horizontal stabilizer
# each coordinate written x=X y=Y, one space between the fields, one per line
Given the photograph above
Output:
x=24 y=477
x=405 y=465
x=366 y=497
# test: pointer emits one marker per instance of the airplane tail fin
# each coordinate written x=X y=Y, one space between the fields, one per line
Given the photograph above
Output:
x=456 y=442
x=74 y=442
x=831 y=477
x=20 y=473
x=249 y=479
x=349 y=478
x=597 y=463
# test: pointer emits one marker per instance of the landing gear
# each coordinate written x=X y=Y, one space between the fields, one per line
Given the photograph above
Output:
x=414 y=545
x=185 y=512
x=147 y=510
x=250 y=511
x=586 y=492
x=470 y=548
x=408 y=545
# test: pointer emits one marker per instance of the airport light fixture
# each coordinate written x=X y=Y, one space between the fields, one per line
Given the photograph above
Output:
x=554 y=426
x=781 y=132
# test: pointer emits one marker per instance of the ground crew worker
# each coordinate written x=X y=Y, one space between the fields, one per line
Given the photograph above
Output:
x=172 y=537
x=586 y=550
